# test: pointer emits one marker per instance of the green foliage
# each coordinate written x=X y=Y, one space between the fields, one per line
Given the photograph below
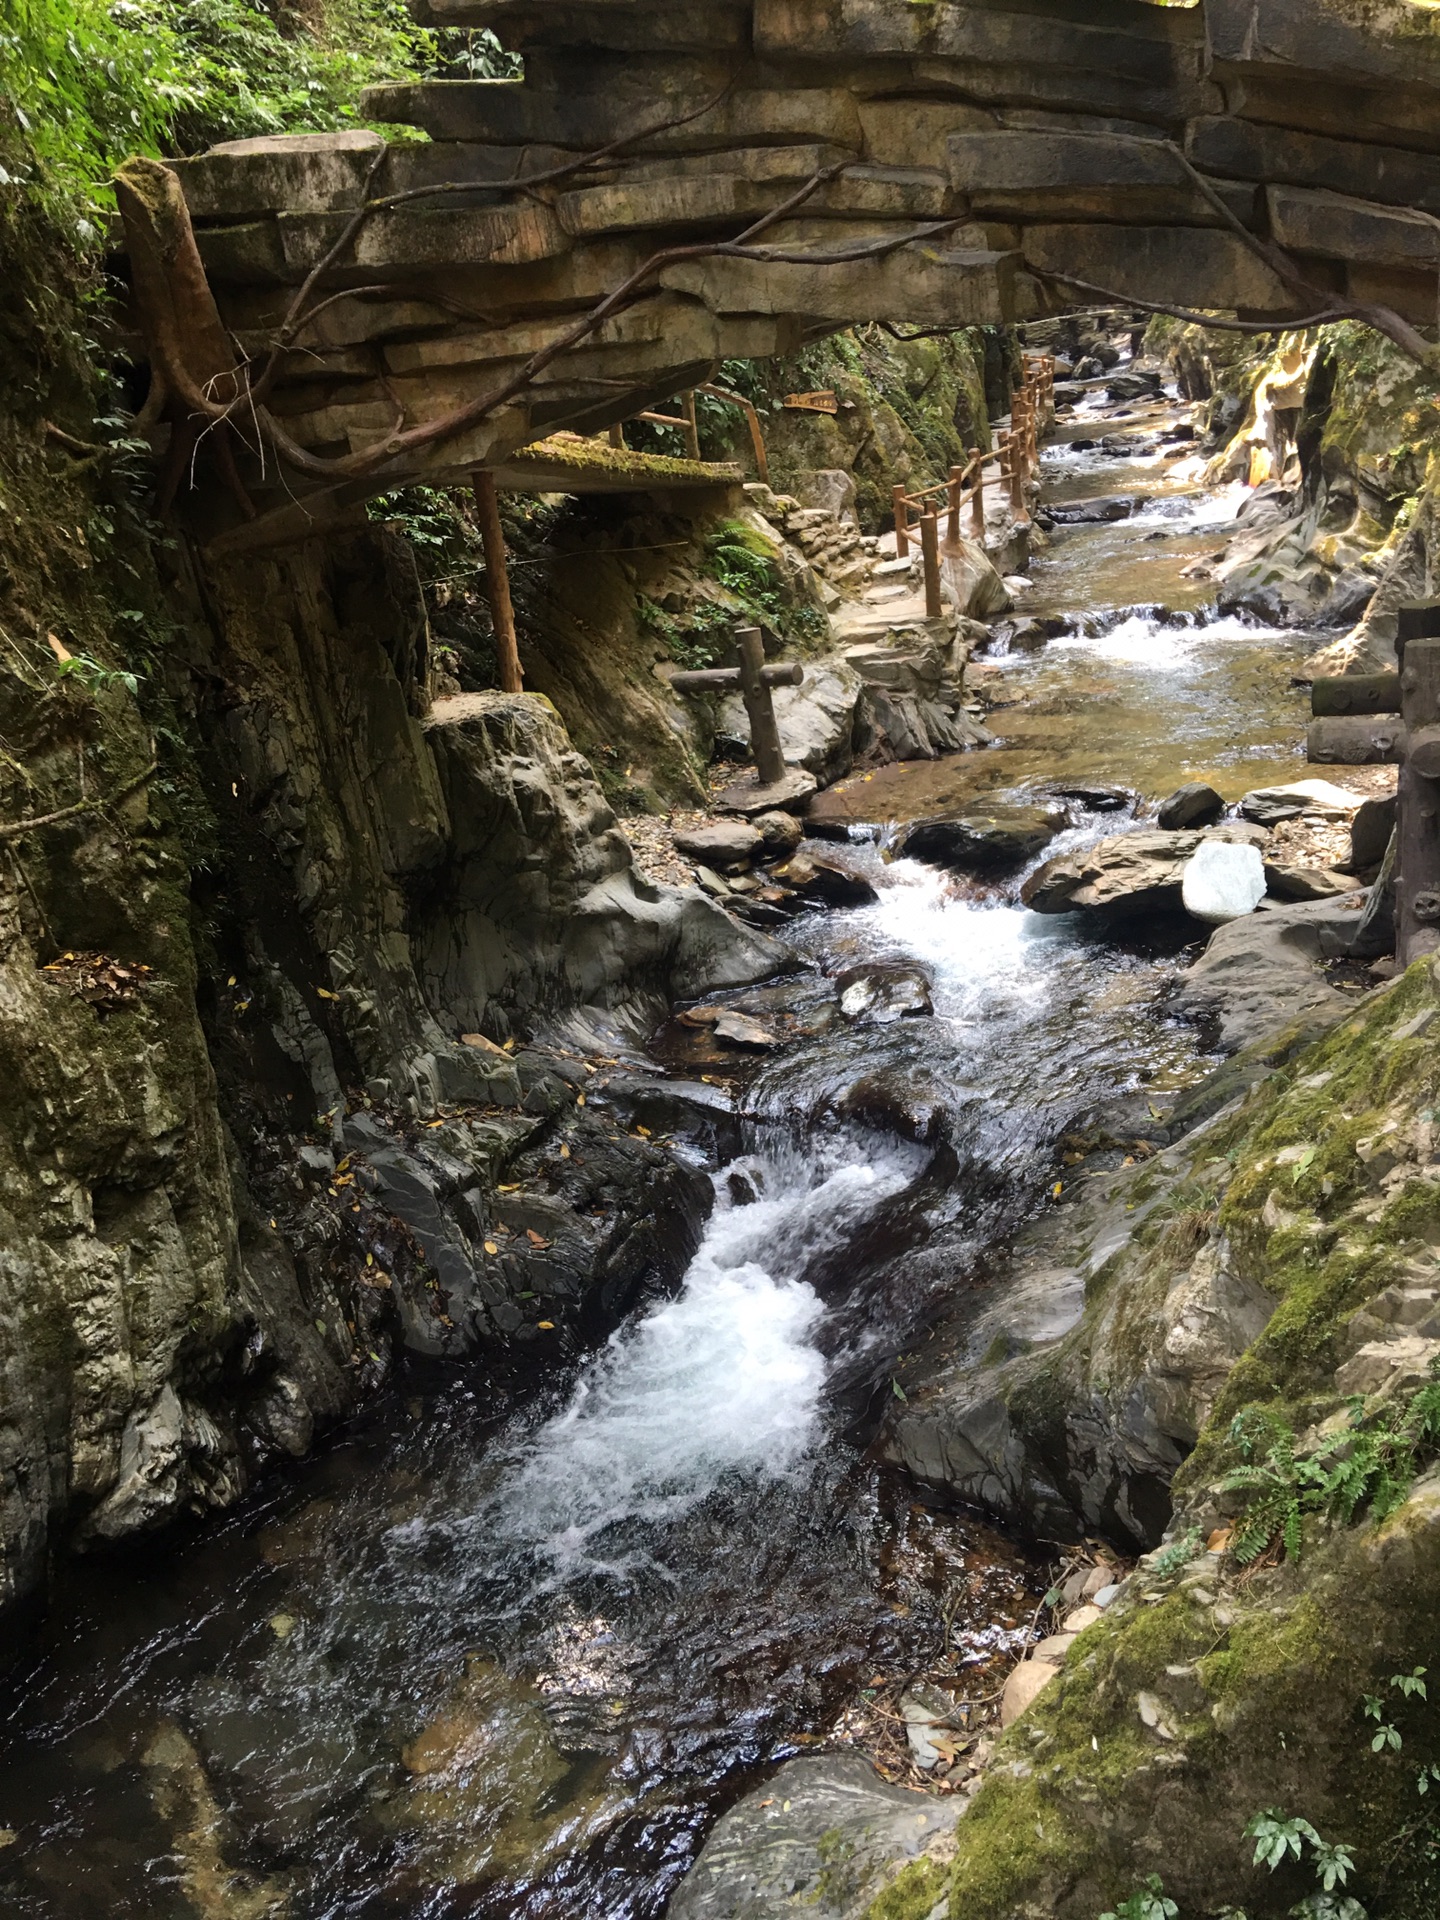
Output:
x=90 y=81
x=1147 y=1903
x=1370 y=1464
x=1179 y=1553
x=94 y=677
x=1279 y=1838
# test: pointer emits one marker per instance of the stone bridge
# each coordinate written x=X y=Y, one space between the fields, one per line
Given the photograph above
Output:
x=921 y=161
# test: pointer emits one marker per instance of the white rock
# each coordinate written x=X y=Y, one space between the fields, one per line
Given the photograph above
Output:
x=1081 y=1618
x=1027 y=1681
x=1223 y=881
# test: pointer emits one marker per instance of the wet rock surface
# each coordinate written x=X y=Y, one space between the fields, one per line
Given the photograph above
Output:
x=824 y=1835
x=1132 y=873
x=998 y=836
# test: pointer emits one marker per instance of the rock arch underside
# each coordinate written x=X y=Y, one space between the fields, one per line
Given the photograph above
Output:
x=949 y=164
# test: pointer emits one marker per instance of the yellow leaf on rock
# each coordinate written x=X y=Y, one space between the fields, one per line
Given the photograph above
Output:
x=546 y=1326
x=490 y=1247
x=324 y=993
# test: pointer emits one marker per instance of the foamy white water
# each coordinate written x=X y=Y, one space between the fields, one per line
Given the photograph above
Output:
x=724 y=1379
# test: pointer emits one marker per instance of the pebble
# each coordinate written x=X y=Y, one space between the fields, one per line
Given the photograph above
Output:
x=1106 y=1594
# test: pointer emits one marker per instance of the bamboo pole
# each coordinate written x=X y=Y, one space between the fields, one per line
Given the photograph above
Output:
x=497 y=582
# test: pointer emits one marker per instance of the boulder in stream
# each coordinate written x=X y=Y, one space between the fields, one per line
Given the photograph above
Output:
x=1130 y=873
x=997 y=834
x=822 y=878
x=1222 y=881
x=881 y=993
x=1194 y=805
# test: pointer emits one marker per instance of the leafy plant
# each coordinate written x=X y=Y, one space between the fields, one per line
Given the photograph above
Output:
x=1148 y=1902
x=93 y=676
x=1369 y=1464
x=1278 y=1837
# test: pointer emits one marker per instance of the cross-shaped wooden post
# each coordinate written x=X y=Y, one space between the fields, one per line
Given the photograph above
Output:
x=752 y=679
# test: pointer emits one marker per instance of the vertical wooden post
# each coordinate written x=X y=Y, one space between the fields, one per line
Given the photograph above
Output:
x=902 y=521
x=1016 y=458
x=497 y=582
x=1417 y=889
x=977 y=498
x=930 y=547
x=764 y=730
x=692 y=424
x=957 y=483
x=617 y=435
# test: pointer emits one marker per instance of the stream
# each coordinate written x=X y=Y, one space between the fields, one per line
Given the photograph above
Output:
x=492 y=1655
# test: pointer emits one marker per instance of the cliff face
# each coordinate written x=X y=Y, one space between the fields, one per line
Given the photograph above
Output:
x=245 y=1153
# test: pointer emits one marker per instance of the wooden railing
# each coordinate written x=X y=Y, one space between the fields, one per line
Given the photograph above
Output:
x=689 y=425
x=1016 y=455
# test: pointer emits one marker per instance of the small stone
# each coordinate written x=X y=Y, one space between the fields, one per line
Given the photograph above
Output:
x=1153 y=1715
x=739 y=1030
x=1028 y=1681
x=1222 y=881
x=1081 y=1618
x=1193 y=805
x=1053 y=1650
x=780 y=833
x=1003 y=834
x=1268 y=806
x=729 y=843
x=1107 y=1595
x=1096 y=1577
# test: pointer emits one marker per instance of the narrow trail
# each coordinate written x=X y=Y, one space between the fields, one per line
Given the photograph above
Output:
x=491 y=1663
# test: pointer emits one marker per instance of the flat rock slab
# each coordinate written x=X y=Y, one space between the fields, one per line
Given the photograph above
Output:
x=1270 y=805
x=748 y=797
x=1002 y=834
x=819 y=1838
x=1262 y=973
x=730 y=843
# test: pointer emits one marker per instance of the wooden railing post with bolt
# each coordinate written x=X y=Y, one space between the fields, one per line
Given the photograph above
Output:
x=957 y=487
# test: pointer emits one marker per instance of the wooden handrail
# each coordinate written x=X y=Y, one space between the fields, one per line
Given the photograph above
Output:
x=1016 y=455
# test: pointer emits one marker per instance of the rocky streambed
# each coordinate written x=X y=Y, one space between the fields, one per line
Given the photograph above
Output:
x=506 y=1652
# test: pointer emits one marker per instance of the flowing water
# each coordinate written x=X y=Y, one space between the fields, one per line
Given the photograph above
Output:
x=494 y=1655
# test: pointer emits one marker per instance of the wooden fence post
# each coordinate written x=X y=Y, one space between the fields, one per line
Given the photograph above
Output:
x=497 y=582
x=977 y=499
x=930 y=547
x=957 y=487
x=902 y=521
x=692 y=424
x=764 y=729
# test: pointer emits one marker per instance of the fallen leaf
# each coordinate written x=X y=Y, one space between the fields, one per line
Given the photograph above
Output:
x=579 y=1099
x=58 y=647
x=546 y=1326
x=1057 y=1189
x=644 y=1132
x=324 y=993
x=514 y=1187
x=490 y=1247
x=432 y=1124
x=536 y=1239
x=1220 y=1540
x=564 y=1152
x=282 y=1625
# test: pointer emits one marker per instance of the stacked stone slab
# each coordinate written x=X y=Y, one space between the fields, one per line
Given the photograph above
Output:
x=1016 y=140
